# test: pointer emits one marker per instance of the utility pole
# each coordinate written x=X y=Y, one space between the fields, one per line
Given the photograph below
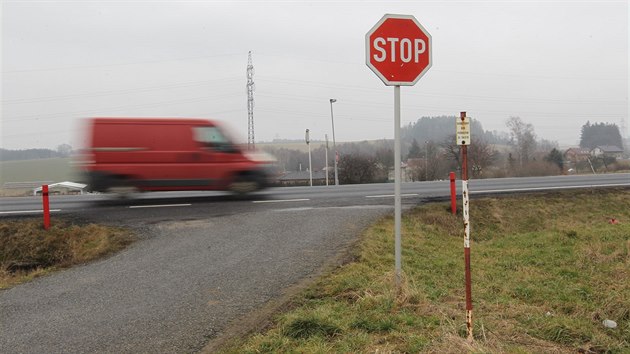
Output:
x=426 y=160
x=310 y=163
x=250 y=103
x=326 y=159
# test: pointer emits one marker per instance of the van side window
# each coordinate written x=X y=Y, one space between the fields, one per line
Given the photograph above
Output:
x=211 y=137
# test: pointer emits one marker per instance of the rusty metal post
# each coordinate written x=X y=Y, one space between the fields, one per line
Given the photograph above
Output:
x=465 y=212
x=46 y=206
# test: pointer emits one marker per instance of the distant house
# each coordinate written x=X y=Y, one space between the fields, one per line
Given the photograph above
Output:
x=577 y=154
x=607 y=151
x=63 y=188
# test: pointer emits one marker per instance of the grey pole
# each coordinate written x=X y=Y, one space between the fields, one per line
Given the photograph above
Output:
x=332 y=100
x=397 y=183
x=326 y=135
x=426 y=160
x=310 y=165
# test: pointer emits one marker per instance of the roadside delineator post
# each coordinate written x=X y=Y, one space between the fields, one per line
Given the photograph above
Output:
x=453 y=193
x=46 y=206
x=463 y=139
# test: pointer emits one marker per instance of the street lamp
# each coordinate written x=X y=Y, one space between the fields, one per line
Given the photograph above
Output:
x=332 y=100
x=326 y=135
x=310 y=165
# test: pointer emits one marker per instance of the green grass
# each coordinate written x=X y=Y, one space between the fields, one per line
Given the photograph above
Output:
x=56 y=170
x=28 y=251
x=546 y=269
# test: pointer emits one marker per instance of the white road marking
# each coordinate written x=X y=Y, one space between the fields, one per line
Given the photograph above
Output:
x=27 y=211
x=158 y=206
x=391 y=195
x=280 y=201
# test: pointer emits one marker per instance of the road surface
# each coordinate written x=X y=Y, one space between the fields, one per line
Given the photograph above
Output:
x=203 y=261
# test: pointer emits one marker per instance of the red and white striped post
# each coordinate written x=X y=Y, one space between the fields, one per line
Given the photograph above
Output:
x=465 y=211
x=46 y=206
x=453 y=193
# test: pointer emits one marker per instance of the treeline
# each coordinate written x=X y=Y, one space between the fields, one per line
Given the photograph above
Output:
x=429 y=152
x=600 y=134
x=63 y=150
x=436 y=129
x=28 y=154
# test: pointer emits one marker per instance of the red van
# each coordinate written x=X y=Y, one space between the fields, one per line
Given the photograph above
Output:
x=170 y=154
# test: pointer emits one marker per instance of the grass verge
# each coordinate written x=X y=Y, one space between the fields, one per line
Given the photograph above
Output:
x=28 y=251
x=547 y=270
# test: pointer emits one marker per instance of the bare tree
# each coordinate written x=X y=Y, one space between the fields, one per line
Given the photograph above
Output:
x=356 y=169
x=523 y=139
x=482 y=155
x=64 y=150
x=451 y=149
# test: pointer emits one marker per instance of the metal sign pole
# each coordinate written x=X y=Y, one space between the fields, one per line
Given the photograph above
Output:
x=465 y=212
x=402 y=67
x=310 y=165
x=397 y=177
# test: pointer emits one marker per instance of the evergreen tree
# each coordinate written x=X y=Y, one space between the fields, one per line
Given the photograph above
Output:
x=600 y=134
x=555 y=157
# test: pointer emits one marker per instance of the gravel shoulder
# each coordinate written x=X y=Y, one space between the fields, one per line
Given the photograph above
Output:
x=184 y=286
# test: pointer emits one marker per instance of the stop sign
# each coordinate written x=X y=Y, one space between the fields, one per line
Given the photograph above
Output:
x=398 y=50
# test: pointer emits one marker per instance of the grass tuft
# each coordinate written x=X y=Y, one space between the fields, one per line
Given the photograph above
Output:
x=302 y=328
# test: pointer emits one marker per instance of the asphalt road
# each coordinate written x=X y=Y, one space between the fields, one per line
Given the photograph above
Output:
x=203 y=261
x=152 y=207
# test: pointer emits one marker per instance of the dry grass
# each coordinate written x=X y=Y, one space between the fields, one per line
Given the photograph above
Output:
x=547 y=270
x=27 y=250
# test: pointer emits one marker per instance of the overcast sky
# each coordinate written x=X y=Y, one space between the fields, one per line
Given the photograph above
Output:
x=555 y=64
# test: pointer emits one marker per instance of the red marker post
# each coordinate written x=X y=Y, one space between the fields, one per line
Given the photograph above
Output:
x=453 y=194
x=46 y=206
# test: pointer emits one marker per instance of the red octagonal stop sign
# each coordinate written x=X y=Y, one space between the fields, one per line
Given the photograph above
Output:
x=398 y=50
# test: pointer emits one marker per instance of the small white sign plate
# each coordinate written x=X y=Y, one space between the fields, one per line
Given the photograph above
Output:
x=463 y=131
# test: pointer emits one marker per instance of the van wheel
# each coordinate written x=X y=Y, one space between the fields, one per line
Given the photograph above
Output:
x=121 y=188
x=123 y=192
x=244 y=185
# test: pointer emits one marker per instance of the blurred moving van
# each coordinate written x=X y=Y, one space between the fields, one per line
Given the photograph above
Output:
x=170 y=154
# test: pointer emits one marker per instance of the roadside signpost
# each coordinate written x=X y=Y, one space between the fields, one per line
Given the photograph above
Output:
x=310 y=165
x=463 y=139
x=398 y=51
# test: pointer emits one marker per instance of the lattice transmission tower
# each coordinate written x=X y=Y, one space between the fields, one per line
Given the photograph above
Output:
x=250 y=102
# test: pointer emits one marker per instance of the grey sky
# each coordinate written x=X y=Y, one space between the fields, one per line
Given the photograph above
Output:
x=555 y=64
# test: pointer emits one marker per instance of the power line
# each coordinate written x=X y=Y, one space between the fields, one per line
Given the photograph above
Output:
x=444 y=95
x=117 y=108
x=77 y=67
x=117 y=92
